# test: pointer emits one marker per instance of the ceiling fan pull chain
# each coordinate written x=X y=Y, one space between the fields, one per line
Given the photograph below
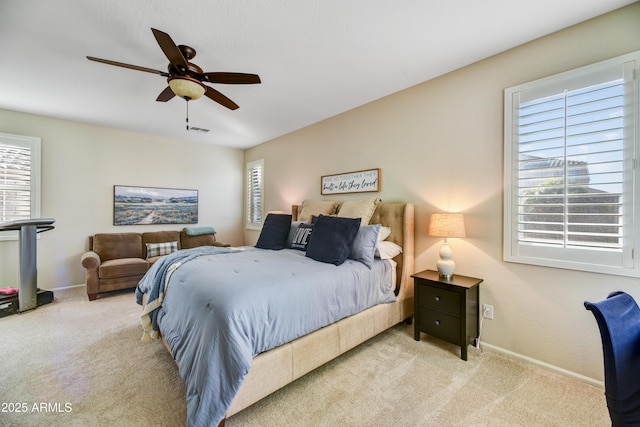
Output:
x=187 y=100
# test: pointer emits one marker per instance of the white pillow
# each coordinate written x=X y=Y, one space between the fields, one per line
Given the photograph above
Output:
x=387 y=250
x=384 y=233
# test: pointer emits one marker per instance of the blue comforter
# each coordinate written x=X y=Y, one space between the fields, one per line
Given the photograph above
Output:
x=223 y=308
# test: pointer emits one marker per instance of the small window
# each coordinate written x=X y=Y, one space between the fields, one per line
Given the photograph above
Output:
x=570 y=169
x=255 y=196
x=19 y=179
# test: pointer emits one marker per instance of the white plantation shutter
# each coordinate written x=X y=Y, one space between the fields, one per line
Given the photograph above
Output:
x=570 y=146
x=19 y=177
x=255 y=197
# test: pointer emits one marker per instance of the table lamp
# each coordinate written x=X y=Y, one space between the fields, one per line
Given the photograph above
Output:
x=446 y=225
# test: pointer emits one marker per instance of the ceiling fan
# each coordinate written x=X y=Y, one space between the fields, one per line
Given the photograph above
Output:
x=185 y=78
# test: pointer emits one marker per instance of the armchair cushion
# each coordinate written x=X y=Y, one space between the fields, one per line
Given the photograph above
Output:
x=117 y=245
x=188 y=241
x=122 y=267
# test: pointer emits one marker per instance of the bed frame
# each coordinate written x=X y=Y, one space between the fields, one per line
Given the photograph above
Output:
x=282 y=365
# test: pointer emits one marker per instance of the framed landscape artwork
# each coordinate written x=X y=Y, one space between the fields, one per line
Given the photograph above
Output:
x=150 y=205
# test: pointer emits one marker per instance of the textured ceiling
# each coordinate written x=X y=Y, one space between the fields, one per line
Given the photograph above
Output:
x=316 y=58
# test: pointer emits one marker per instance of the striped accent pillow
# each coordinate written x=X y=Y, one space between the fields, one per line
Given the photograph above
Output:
x=159 y=249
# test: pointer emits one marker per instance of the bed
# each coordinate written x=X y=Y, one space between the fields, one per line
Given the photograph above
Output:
x=280 y=345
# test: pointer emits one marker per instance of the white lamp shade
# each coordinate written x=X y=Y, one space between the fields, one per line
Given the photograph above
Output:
x=447 y=225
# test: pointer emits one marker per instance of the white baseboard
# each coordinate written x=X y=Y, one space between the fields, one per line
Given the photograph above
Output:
x=66 y=287
x=545 y=365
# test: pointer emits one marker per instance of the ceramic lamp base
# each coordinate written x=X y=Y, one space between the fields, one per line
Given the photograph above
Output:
x=446 y=265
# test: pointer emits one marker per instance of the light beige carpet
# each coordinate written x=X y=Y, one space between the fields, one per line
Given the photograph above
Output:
x=81 y=363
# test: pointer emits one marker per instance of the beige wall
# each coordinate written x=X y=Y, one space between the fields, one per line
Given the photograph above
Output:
x=440 y=146
x=80 y=165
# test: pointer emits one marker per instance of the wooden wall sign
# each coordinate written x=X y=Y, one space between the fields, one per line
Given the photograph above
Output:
x=351 y=182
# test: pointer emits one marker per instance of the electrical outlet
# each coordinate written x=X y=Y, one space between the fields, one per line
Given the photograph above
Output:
x=487 y=311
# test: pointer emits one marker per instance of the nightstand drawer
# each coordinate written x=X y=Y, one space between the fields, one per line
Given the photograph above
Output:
x=439 y=325
x=439 y=299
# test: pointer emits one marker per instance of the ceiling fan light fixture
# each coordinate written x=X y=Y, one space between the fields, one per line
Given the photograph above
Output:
x=185 y=78
x=187 y=87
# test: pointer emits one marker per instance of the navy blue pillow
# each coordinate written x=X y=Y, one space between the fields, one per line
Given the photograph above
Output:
x=332 y=239
x=274 y=232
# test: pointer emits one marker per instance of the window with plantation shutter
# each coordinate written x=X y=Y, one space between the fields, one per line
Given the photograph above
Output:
x=571 y=178
x=254 y=205
x=19 y=179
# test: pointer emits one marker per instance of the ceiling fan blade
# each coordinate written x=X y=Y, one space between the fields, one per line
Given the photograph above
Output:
x=170 y=49
x=221 y=99
x=232 y=78
x=165 y=95
x=131 y=67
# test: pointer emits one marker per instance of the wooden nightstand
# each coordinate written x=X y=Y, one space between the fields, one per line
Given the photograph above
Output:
x=447 y=309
